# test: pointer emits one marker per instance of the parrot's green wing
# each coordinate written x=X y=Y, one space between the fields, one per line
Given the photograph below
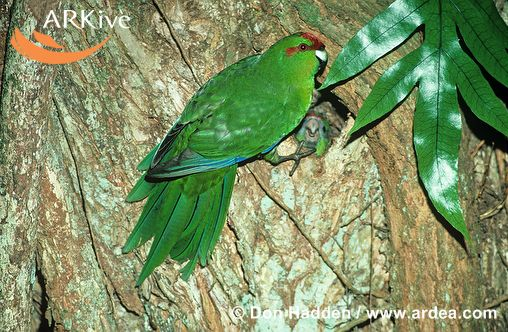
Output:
x=205 y=102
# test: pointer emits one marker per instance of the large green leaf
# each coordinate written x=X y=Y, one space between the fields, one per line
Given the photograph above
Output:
x=381 y=35
x=439 y=67
x=437 y=133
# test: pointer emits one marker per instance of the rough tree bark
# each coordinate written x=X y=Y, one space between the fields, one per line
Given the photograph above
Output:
x=350 y=230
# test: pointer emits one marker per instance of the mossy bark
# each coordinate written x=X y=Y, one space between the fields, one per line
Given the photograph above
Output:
x=352 y=230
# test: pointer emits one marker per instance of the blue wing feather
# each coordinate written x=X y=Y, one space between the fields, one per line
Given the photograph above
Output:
x=191 y=163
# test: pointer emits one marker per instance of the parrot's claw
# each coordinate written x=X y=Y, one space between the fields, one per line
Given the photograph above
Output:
x=275 y=159
x=297 y=156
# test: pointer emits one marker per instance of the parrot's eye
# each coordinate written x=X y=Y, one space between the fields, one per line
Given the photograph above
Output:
x=304 y=47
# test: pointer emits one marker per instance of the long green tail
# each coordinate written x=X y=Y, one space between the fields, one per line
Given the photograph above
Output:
x=185 y=216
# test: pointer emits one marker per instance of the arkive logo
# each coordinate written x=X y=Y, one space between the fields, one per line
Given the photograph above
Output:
x=56 y=54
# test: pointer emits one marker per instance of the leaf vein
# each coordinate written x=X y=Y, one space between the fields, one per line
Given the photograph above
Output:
x=384 y=32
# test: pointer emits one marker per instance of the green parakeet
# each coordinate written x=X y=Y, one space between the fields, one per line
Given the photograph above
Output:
x=240 y=114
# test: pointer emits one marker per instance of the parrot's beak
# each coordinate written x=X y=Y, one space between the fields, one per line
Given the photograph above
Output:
x=322 y=57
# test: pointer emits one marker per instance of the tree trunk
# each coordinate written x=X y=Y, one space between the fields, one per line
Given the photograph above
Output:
x=351 y=230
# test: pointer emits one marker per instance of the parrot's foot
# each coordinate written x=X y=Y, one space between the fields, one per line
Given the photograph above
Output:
x=297 y=156
x=275 y=159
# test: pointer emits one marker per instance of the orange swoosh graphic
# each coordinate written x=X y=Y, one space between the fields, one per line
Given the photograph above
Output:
x=46 y=40
x=34 y=52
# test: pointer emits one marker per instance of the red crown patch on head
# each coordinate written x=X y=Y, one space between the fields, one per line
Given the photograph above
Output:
x=316 y=43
